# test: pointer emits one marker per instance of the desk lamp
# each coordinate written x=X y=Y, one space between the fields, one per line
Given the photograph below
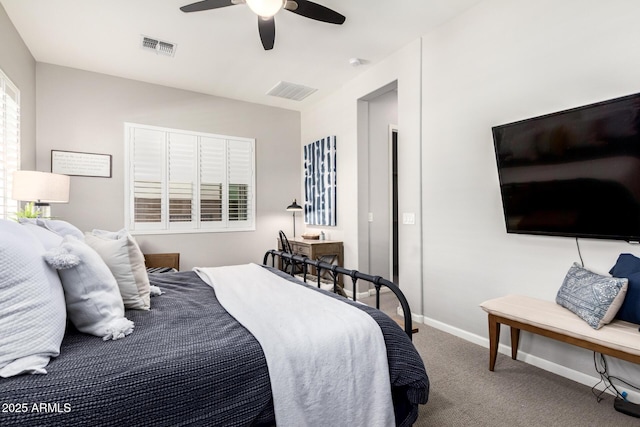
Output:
x=294 y=207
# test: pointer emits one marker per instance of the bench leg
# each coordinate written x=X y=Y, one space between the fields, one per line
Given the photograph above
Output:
x=515 y=339
x=494 y=338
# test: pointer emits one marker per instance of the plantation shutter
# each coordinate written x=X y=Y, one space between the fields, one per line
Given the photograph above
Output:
x=240 y=179
x=212 y=182
x=182 y=181
x=148 y=178
x=9 y=144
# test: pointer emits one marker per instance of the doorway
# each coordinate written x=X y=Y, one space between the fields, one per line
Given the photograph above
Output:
x=378 y=113
x=393 y=203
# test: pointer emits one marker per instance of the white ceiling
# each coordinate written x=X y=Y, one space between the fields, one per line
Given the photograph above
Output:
x=219 y=51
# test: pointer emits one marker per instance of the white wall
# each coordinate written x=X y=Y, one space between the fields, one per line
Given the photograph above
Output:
x=502 y=61
x=338 y=114
x=84 y=111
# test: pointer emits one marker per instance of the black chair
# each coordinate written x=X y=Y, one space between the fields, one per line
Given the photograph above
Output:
x=286 y=247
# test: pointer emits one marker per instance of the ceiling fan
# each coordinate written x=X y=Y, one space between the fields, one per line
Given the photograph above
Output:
x=266 y=10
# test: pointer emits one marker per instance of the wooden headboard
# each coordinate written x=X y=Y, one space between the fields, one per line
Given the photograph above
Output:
x=162 y=260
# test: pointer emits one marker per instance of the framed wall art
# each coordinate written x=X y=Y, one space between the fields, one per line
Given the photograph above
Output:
x=320 y=182
x=81 y=164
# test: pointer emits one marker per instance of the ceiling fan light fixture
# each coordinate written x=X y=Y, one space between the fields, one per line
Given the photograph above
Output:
x=266 y=8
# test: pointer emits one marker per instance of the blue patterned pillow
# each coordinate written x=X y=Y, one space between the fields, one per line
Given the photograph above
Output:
x=595 y=298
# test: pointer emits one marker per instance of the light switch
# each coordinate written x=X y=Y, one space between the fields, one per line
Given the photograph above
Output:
x=409 y=218
x=370 y=216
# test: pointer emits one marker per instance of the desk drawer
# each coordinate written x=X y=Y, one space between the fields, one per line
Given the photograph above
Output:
x=303 y=250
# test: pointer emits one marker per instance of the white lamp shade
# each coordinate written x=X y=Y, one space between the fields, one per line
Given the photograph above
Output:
x=265 y=8
x=43 y=187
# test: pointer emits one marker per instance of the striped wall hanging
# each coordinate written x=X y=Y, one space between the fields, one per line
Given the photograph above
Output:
x=320 y=182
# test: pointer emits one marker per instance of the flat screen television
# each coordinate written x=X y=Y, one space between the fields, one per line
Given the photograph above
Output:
x=573 y=173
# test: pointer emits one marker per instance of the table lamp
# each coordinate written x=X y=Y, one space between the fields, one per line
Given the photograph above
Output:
x=41 y=188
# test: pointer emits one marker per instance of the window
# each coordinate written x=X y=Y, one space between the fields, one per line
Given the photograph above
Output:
x=188 y=182
x=9 y=143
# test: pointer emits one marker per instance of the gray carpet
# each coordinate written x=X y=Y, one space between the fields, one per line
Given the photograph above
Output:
x=465 y=393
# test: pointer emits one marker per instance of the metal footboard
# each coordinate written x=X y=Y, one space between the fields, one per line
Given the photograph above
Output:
x=334 y=270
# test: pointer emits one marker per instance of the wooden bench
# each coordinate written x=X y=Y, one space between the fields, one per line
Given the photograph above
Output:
x=617 y=339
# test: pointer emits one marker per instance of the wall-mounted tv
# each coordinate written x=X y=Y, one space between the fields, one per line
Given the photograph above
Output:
x=573 y=173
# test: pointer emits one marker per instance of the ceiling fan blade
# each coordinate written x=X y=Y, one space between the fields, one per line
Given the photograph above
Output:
x=207 y=5
x=312 y=10
x=267 y=30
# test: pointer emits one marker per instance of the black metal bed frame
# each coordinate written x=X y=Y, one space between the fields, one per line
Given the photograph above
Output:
x=334 y=270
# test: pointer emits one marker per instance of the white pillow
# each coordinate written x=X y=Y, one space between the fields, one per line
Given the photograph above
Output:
x=93 y=300
x=124 y=258
x=49 y=239
x=32 y=309
x=61 y=228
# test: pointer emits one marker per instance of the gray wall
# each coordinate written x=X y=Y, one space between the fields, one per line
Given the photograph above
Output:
x=345 y=114
x=85 y=111
x=18 y=64
x=501 y=61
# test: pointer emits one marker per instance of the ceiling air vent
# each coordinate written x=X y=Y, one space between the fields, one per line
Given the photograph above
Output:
x=291 y=91
x=158 y=46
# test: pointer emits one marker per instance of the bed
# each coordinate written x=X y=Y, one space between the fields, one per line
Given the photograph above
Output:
x=188 y=362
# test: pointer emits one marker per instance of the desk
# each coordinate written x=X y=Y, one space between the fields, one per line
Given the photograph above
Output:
x=329 y=251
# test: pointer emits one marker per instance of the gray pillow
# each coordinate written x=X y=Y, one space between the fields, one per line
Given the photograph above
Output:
x=124 y=258
x=594 y=298
x=32 y=308
x=93 y=300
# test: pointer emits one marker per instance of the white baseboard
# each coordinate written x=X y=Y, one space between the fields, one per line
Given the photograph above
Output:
x=366 y=294
x=372 y=292
x=416 y=318
x=563 y=371
x=358 y=295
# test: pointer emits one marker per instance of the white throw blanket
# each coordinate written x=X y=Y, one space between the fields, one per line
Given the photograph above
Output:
x=327 y=360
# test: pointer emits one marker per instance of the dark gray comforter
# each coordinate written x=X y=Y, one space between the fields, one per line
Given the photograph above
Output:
x=188 y=362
